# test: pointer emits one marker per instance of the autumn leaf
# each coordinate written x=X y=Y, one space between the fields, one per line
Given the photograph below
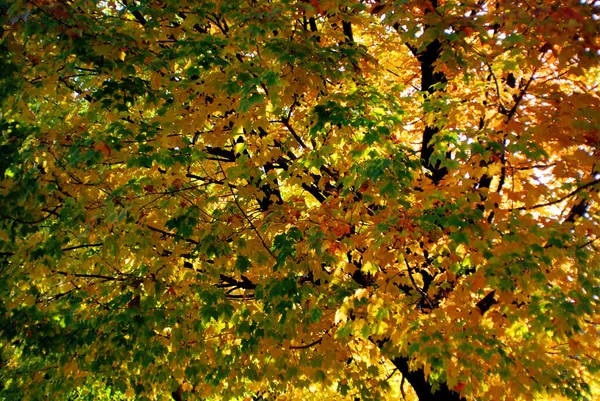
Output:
x=103 y=148
x=304 y=200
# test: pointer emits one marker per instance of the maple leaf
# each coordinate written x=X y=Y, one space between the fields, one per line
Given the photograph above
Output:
x=103 y=148
x=319 y=199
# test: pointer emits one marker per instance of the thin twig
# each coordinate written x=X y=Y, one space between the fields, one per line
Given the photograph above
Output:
x=307 y=345
x=71 y=248
x=554 y=202
x=84 y=275
x=246 y=216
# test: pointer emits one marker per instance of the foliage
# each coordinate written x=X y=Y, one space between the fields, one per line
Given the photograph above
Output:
x=299 y=200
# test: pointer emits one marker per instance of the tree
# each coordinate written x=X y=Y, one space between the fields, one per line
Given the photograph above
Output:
x=296 y=200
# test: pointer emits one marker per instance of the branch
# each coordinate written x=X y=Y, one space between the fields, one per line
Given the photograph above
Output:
x=229 y=155
x=347 y=27
x=245 y=283
x=86 y=96
x=71 y=248
x=419 y=290
x=85 y=275
x=307 y=345
x=243 y=297
x=40 y=220
x=578 y=210
x=137 y=14
x=418 y=381
x=246 y=216
x=55 y=296
x=487 y=302
x=493 y=75
x=286 y=123
x=554 y=202
x=513 y=110
x=430 y=78
x=392 y=374
x=168 y=234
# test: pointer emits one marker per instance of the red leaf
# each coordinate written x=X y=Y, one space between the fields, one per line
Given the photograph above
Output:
x=315 y=4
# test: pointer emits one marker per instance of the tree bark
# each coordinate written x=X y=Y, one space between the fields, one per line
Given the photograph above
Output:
x=419 y=383
x=430 y=80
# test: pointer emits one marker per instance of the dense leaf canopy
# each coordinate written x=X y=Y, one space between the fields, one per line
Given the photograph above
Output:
x=294 y=200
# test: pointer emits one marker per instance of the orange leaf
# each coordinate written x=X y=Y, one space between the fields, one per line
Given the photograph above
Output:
x=103 y=148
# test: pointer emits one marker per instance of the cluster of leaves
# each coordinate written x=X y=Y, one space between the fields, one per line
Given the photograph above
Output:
x=299 y=200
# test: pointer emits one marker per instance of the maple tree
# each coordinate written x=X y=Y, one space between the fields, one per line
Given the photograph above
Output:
x=299 y=199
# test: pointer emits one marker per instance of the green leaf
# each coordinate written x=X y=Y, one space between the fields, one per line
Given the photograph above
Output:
x=319 y=376
x=242 y=264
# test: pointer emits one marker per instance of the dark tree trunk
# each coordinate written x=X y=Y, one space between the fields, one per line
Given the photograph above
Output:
x=430 y=83
x=417 y=380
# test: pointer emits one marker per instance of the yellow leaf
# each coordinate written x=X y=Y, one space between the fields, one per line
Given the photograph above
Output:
x=361 y=293
x=340 y=316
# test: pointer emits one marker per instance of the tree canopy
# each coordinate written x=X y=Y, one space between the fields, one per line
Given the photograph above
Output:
x=295 y=200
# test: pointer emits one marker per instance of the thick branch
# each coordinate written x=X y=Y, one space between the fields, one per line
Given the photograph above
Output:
x=139 y=17
x=422 y=387
x=430 y=82
x=245 y=283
